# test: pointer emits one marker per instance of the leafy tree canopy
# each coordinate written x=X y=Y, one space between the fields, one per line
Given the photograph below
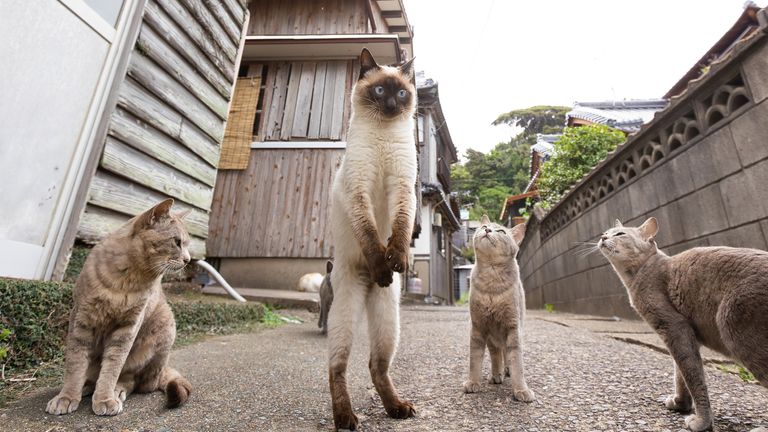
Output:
x=577 y=151
x=545 y=119
x=485 y=180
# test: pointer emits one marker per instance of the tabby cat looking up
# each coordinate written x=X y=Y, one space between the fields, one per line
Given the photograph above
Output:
x=121 y=329
x=497 y=309
x=711 y=296
x=373 y=205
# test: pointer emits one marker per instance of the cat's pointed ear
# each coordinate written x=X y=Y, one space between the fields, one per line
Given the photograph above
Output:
x=329 y=266
x=518 y=233
x=617 y=224
x=649 y=228
x=484 y=220
x=155 y=214
x=367 y=63
x=407 y=68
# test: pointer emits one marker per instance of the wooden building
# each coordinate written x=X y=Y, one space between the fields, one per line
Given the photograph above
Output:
x=287 y=130
x=133 y=112
x=438 y=212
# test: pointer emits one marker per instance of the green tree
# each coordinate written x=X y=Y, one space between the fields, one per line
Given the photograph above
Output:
x=577 y=151
x=546 y=119
x=485 y=180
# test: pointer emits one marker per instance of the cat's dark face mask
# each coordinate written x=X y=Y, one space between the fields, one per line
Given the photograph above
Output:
x=387 y=92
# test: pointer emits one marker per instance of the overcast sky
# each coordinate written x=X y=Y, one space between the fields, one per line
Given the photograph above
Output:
x=492 y=56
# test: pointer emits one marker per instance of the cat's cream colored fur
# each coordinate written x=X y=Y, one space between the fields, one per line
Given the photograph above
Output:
x=121 y=329
x=373 y=205
x=497 y=308
x=711 y=296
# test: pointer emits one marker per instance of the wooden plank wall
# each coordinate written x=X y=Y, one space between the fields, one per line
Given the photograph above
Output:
x=165 y=134
x=277 y=207
x=307 y=100
x=279 y=17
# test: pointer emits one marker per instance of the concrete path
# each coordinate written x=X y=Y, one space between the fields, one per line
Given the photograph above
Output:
x=277 y=380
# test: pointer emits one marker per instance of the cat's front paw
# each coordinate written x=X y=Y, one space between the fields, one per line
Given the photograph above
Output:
x=496 y=379
x=107 y=407
x=345 y=421
x=396 y=257
x=401 y=410
x=62 y=405
x=471 y=386
x=377 y=266
x=524 y=395
x=679 y=404
x=698 y=423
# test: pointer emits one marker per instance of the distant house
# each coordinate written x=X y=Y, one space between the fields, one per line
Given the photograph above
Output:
x=269 y=216
x=438 y=213
x=627 y=115
x=133 y=112
x=540 y=152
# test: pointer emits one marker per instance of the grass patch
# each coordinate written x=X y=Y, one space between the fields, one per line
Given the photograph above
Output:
x=464 y=299
x=76 y=261
x=739 y=370
x=34 y=317
x=549 y=307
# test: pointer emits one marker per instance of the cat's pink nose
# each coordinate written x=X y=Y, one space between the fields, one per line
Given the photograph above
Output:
x=488 y=230
x=604 y=237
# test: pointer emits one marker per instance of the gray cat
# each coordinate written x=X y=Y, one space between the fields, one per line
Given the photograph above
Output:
x=497 y=309
x=711 y=296
x=326 y=298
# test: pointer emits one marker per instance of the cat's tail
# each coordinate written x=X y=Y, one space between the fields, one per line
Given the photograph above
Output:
x=177 y=389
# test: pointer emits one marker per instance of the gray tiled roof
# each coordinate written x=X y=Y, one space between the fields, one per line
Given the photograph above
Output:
x=624 y=115
x=544 y=143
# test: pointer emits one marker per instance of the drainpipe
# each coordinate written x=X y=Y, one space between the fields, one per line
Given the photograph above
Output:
x=220 y=279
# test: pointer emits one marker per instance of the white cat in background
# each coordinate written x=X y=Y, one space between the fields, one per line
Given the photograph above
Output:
x=310 y=282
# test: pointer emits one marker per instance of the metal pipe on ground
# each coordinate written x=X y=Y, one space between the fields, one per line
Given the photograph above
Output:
x=220 y=279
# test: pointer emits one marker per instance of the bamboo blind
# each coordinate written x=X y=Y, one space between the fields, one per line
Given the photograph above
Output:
x=236 y=147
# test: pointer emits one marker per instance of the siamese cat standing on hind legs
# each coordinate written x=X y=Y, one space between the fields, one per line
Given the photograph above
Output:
x=372 y=211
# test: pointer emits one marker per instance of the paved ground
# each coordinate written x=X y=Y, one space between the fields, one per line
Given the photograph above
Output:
x=276 y=380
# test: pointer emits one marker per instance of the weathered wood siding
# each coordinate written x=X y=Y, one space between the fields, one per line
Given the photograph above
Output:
x=277 y=207
x=281 y=17
x=164 y=136
x=307 y=100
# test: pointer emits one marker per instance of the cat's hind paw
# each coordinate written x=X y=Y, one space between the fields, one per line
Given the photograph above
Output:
x=698 y=423
x=107 y=407
x=676 y=403
x=471 y=386
x=524 y=395
x=62 y=405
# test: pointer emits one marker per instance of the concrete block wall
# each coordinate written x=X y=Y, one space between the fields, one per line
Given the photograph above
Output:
x=700 y=167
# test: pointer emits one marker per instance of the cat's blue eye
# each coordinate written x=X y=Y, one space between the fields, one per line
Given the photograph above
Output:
x=379 y=90
x=402 y=93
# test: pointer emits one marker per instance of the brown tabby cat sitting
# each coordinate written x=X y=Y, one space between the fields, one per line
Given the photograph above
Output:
x=121 y=329
x=711 y=296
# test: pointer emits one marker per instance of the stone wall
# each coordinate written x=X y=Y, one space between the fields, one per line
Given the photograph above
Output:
x=700 y=167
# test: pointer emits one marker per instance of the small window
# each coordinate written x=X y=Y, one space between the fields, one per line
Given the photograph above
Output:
x=305 y=101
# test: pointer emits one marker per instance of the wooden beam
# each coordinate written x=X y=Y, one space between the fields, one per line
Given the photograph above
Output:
x=369 y=12
x=398 y=29
x=391 y=14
